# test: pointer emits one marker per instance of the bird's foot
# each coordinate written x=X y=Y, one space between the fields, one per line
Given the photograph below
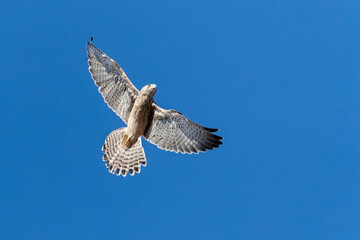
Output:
x=125 y=142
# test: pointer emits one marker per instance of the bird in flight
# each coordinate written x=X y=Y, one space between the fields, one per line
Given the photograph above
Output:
x=167 y=129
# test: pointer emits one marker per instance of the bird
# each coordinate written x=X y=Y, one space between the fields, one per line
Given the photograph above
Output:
x=167 y=129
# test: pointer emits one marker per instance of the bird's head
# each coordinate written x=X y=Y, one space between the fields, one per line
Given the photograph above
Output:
x=149 y=89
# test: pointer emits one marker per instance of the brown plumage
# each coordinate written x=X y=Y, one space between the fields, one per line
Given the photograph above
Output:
x=139 y=116
x=168 y=129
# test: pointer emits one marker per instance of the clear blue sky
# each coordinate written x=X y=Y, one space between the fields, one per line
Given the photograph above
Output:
x=279 y=78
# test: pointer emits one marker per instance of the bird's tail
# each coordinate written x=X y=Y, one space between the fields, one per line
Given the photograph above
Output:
x=120 y=161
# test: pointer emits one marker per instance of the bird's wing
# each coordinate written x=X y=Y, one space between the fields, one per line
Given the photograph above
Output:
x=172 y=131
x=118 y=92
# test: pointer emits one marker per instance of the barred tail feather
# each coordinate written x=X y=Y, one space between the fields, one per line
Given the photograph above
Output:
x=120 y=161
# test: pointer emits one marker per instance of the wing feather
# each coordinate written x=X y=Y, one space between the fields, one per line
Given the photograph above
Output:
x=115 y=87
x=172 y=131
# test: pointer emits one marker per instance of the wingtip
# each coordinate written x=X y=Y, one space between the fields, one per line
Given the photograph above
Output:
x=91 y=39
x=211 y=129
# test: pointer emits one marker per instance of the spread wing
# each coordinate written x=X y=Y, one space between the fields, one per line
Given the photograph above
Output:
x=172 y=131
x=118 y=92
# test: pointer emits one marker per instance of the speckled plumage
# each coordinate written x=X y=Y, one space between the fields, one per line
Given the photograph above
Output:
x=168 y=129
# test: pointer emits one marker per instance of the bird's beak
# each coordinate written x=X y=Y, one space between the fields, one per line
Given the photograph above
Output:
x=153 y=87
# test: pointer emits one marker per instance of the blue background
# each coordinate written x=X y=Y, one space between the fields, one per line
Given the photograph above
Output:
x=279 y=78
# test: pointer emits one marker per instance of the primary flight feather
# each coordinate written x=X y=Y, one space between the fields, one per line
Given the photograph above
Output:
x=168 y=129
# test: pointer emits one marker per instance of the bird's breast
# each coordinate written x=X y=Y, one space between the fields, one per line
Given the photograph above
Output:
x=139 y=116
